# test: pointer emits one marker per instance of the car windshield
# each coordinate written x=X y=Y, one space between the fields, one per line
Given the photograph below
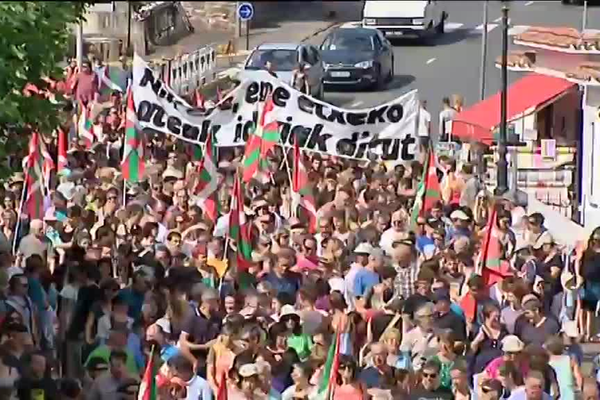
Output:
x=281 y=60
x=348 y=41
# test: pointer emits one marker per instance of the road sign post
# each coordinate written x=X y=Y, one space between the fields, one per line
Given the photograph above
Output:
x=245 y=12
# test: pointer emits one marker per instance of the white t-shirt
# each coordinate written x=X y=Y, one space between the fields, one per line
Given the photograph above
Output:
x=424 y=122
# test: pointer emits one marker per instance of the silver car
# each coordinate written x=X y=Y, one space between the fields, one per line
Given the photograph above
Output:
x=284 y=58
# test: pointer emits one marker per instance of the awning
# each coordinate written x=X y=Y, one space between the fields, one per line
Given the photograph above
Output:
x=524 y=96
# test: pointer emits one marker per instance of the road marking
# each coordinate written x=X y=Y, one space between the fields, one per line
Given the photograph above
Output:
x=490 y=27
x=452 y=26
x=356 y=103
x=517 y=30
x=430 y=60
x=529 y=3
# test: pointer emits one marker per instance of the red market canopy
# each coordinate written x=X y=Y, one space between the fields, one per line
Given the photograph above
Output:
x=479 y=121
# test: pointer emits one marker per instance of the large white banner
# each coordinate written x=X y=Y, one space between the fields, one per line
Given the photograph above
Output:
x=385 y=132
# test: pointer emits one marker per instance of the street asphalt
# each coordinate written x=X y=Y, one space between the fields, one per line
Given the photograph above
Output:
x=452 y=63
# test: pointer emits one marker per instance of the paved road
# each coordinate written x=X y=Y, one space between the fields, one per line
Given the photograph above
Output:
x=452 y=63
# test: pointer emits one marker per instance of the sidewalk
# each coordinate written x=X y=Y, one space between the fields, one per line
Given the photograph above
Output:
x=293 y=21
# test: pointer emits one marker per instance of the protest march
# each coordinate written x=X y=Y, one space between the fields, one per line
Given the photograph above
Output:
x=270 y=245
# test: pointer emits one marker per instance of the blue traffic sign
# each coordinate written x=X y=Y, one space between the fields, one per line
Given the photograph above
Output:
x=245 y=11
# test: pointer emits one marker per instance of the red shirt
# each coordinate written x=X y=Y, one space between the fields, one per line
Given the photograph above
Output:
x=85 y=87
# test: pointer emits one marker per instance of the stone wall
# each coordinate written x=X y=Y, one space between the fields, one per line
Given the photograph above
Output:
x=220 y=15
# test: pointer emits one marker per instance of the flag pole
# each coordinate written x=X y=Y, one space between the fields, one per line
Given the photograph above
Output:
x=21 y=202
x=124 y=193
x=227 y=239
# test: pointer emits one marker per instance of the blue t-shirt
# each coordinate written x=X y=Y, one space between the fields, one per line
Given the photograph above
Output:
x=168 y=351
x=135 y=301
x=289 y=283
x=36 y=293
x=364 y=280
x=423 y=241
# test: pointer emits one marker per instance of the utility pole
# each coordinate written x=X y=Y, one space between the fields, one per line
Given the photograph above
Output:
x=585 y=10
x=502 y=165
x=483 y=50
x=128 y=51
x=79 y=45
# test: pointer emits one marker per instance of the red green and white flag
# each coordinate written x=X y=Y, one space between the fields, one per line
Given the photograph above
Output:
x=222 y=392
x=330 y=370
x=265 y=137
x=133 y=164
x=239 y=227
x=493 y=268
x=34 y=179
x=428 y=191
x=302 y=193
x=86 y=126
x=148 y=390
x=62 y=149
x=107 y=78
x=207 y=187
x=199 y=100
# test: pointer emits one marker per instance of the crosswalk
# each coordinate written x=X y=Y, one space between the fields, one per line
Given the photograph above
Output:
x=450 y=27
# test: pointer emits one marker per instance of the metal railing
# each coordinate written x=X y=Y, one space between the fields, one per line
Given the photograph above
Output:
x=188 y=72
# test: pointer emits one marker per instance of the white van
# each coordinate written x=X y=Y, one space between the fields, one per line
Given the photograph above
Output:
x=399 y=19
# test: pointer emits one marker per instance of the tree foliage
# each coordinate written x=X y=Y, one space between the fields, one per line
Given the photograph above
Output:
x=34 y=40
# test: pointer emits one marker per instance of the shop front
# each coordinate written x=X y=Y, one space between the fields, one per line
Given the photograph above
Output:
x=544 y=128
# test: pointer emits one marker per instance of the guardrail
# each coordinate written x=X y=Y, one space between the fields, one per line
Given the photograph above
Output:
x=187 y=72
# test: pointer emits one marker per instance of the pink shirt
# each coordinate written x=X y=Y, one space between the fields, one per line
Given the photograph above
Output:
x=494 y=366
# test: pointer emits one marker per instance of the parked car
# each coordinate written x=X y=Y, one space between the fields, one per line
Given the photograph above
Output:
x=284 y=59
x=360 y=57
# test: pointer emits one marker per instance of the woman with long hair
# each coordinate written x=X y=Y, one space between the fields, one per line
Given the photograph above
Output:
x=301 y=389
x=446 y=356
x=109 y=289
x=221 y=356
x=587 y=269
x=487 y=343
x=348 y=386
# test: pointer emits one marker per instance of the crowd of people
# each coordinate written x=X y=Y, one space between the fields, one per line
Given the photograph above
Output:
x=113 y=279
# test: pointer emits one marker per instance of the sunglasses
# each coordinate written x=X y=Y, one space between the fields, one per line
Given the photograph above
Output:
x=432 y=376
x=487 y=390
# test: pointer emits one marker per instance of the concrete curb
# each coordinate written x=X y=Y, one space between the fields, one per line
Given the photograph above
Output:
x=313 y=34
x=319 y=31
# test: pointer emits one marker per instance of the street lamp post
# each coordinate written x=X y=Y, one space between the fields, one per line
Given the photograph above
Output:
x=484 y=40
x=502 y=165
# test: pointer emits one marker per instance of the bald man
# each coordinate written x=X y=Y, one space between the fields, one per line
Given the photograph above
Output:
x=157 y=334
x=380 y=374
x=34 y=243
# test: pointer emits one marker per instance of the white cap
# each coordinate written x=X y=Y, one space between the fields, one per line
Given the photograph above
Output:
x=248 y=370
x=459 y=214
x=363 y=248
x=512 y=344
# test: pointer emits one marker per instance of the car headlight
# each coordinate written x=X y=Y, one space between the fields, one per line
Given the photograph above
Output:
x=418 y=21
x=369 y=21
x=364 y=64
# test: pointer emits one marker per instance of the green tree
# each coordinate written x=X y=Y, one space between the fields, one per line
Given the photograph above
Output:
x=34 y=40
